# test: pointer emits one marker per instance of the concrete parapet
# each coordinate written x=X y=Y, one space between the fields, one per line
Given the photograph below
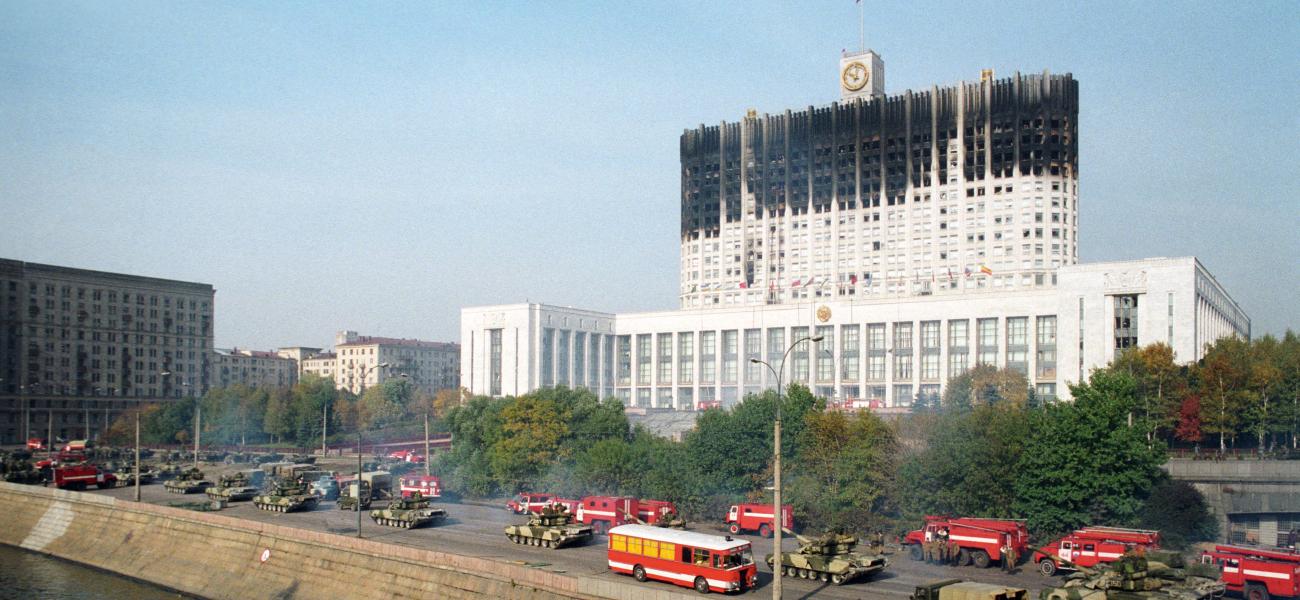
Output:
x=216 y=556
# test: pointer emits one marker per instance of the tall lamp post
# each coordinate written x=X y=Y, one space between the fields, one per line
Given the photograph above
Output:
x=777 y=568
x=365 y=370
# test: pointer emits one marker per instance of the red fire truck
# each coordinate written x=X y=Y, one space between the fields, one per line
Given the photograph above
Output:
x=756 y=517
x=427 y=485
x=653 y=511
x=1257 y=573
x=1091 y=546
x=980 y=540
x=36 y=443
x=606 y=512
x=708 y=563
x=77 y=477
x=526 y=502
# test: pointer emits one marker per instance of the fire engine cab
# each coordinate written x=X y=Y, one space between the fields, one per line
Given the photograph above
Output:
x=77 y=477
x=426 y=485
x=527 y=502
x=653 y=511
x=980 y=540
x=1091 y=546
x=1257 y=573
x=756 y=517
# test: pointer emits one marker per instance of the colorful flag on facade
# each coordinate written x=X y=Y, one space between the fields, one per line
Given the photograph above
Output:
x=949 y=273
x=744 y=285
x=985 y=270
x=794 y=284
x=968 y=271
x=853 y=278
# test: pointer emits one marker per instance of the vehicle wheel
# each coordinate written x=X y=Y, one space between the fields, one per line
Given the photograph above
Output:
x=765 y=530
x=638 y=572
x=824 y=577
x=915 y=552
x=837 y=579
x=734 y=529
x=1256 y=592
x=701 y=585
x=1047 y=567
x=980 y=558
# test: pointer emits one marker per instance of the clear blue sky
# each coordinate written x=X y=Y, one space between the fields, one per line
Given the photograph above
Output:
x=377 y=167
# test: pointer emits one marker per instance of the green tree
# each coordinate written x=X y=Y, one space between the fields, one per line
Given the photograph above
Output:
x=1179 y=512
x=844 y=470
x=1161 y=386
x=532 y=427
x=985 y=384
x=968 y=463
x=385 y=404
x=1222 y=379
x=309 y=399
x=277 y=421
x=1083 y=463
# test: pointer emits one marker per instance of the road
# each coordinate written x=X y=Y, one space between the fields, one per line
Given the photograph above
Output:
x=476 y=530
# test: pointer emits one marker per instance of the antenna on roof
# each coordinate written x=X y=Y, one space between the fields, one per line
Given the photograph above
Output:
x=862 y=27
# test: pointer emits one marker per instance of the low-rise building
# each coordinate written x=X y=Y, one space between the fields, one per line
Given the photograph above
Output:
x=253 y=368
x=365 y=361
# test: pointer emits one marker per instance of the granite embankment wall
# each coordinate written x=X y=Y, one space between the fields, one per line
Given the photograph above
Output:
x=214 y=556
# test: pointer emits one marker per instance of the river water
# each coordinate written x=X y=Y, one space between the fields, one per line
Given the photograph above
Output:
x=26 y=574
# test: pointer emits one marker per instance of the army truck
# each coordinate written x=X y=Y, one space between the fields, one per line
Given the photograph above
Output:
x=956 y=589
x=830 y=558
x=189 y=481
x=349 y=499
x=408 y=513
x=550 y=527
x=232 y=488
x=1152 y=575
x=285 y=497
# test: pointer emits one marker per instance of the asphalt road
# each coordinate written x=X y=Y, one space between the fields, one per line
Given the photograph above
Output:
x=476 y=530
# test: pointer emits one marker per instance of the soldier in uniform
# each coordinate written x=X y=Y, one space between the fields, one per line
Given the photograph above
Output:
x=941 y=543
x=1009 y=556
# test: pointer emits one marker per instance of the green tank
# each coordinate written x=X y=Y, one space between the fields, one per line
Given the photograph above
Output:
x=285 y=497
x=189 y=481
x=553 y=527
x=21 y=471
x=1152 y=575
x=408 y=513
x=830 y=558
x=348 y=496
x=232 y=488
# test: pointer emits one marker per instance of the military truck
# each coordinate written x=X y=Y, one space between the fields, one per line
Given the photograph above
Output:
x=349 y=499
x=551 y=527
x=408 y=513
x=285 y=497
x=956 y=589
x=830 y=557
x=1152 y=575
x=232 y=488
x=189 y=481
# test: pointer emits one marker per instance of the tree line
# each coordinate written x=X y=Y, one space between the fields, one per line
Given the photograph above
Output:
x=988 y=447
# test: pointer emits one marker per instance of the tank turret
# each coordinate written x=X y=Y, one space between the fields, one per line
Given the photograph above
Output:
x=551 y=527
x=831 y=557
x=1153 y=575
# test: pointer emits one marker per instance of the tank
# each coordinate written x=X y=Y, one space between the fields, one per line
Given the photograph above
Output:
x=189 y=481
x=1151 y=575
x=408 y=513
x=127 y=475
x=232 y=488
x=348 y=496
x=21 y=470
x=830 y=558
x=285 y=497
x=553 y=527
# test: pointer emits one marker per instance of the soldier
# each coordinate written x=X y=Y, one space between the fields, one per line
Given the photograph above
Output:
x=941 y=542
x=1009 y=556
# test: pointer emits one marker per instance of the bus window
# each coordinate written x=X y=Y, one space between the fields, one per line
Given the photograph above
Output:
x=738 y=559
x=666 y=550
x=701 y=557
x=651 y=548
x=618 y=543
x=634 y=545
x=686 y=555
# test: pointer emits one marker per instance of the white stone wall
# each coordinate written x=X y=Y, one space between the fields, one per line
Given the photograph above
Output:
x=1157 y=284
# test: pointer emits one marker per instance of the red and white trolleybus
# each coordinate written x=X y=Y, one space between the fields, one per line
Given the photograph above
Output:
x=708 y=563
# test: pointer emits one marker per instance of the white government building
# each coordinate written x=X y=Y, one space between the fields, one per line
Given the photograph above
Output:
x=918 y=234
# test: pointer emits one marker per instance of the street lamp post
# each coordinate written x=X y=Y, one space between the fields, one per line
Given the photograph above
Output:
x=777 y=568
x=137 y=452
x=365 y=370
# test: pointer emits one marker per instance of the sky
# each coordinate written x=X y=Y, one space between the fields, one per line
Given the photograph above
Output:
x=378 y=166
